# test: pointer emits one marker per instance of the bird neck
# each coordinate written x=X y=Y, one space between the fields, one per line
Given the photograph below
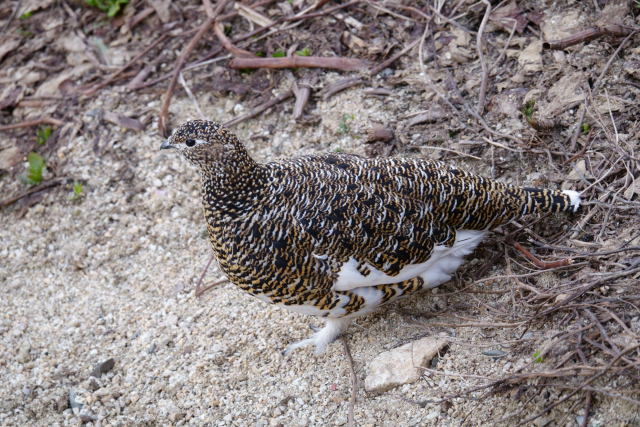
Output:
x=233 y=187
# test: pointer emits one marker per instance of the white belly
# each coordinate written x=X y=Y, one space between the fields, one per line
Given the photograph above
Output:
x=438 y=269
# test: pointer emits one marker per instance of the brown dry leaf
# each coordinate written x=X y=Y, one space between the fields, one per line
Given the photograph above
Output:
x=10 y=96
x=614 y=12
x=162 y=9
x=507 y=103
x=124 y=121
x=565 y=92
x=354 y=43
x=51 y=86
x=10 y=157
x=633 y=188
x=505 y=16
x=557 y=26
x=530 y=59
x=579 y=172
x=33 y=6
x=8 y=45
x=435 y=114
x=251 y=15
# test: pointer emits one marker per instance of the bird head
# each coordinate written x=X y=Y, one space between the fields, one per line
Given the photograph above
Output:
x=207 y=145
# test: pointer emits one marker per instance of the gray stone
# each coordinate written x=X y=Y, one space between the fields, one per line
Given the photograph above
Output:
x=402 y=365
x=103 y=368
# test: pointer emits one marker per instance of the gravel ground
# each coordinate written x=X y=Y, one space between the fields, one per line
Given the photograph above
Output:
x=111 y=277
x=99 y=324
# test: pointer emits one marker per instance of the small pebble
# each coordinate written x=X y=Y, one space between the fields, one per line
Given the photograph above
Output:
x=103 y=368
x=494 y=353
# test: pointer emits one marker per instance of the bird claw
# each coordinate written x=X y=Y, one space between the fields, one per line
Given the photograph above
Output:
x=322 y=337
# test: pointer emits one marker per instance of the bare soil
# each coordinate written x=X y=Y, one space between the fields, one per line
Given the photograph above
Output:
x=108 y=271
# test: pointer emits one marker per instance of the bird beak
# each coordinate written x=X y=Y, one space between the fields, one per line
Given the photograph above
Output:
x=166 y=145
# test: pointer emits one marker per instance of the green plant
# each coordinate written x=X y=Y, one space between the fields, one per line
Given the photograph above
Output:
x=343 y=127
x=537 y=357
x=110 y=7
x=278 y=54
x=35 y=168
x=585 y=128
x=529 y=108
x=26 y=15
x=303 y=52
x=77 y=191
x=25 y=33
x=43 y=134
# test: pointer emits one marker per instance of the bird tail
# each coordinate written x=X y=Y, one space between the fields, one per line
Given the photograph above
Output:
x=538 y=200
x=478 y=203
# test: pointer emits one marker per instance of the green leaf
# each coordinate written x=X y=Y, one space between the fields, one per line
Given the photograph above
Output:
x=278 y=54
x=303 y=52
x=110 y=7
x=585 y=128
x=77 y=191
x=529 y=108
x=43 y=134
x=343 y=126
x=35 y=168
x=26 y=15
x=537 y=357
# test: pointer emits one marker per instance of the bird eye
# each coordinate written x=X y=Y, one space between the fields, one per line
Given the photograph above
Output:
x=190 y=142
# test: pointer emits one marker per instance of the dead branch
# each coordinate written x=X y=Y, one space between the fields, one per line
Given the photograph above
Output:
x=375 y=70
x=259 y=109
x=321 y=13
x=354 y=382
x=139 y=17
x=301 y=93
x=341 y=85
x=44 y=186
x=204 y=27
x=580 y=387
x=226 y=43
x=30 y=123
x=538 y=262
x=334 y=63
x=588 y=35
x=483 y=64
x=113 y=76
x=379 y=133
x=201 y=290
x=598 y=81
x=378 y=91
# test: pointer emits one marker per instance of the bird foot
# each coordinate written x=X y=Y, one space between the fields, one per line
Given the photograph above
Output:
x=322 y=337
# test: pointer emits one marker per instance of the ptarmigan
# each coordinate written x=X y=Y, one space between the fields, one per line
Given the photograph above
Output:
x=337 y=235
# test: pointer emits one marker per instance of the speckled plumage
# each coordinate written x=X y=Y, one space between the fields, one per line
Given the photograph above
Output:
x=329 y=234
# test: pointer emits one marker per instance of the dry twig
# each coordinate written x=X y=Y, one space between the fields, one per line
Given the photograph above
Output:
x=334 y=63
x=226 y=43
x=44 y=186
x=341 y=85
x=302 y=93
x=354 y=381
x=288 y=94
x=588 y=35
x=30 y=123
x=483 y=64
x=538 y=262
x=204 y=27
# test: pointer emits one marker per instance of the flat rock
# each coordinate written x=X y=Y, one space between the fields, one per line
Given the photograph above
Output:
x=103 y=368
x=401 y=365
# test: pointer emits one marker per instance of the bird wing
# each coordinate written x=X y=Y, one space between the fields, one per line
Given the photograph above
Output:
x=364 y=227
